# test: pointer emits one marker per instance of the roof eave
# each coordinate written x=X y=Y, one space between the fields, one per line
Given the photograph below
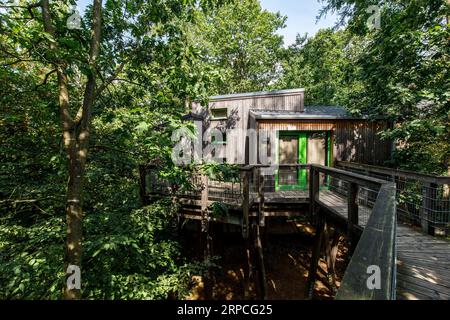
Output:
x=310 y=117
x=259 y=94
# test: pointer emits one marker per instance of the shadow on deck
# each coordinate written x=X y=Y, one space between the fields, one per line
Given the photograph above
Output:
x=361 y=207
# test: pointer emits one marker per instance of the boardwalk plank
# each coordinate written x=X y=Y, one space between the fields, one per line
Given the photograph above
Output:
x=423 y=261
x=424 y=267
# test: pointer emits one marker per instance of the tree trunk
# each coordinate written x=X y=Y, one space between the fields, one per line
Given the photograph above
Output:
x=76 y=139
x=77 y=151
x=74 y=221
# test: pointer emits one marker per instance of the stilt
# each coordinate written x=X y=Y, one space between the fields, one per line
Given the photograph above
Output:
x=315 y=256
x=206 y=239
x=265 y=236
x=248 y=269
x=352 y=215
x=260 y=262
x=331 y=252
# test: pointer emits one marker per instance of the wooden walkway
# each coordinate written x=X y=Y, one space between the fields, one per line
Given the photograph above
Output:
x=423 y=266
x=423 y=261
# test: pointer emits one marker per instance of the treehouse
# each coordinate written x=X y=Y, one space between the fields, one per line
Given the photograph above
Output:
x=276 y=127
x=322 y=166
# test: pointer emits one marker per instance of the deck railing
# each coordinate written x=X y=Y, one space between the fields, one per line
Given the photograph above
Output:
x=368 y=215
x=370 y=208
x=375 y=249
x=218 y=190
x=422 y=199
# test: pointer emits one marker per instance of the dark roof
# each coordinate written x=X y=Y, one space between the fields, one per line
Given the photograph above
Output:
x=256 y=94
x=192 y=117
x=311 y=112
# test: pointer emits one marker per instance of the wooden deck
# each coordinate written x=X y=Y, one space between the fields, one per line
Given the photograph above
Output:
x=423 y=266
x=423 y=261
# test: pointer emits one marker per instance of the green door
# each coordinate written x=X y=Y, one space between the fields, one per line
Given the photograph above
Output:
x=300 y=147
x=291 y=150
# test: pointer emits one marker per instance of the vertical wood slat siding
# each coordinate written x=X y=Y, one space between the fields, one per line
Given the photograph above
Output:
x=353 y=140
x=238 y=116
x=359 y=141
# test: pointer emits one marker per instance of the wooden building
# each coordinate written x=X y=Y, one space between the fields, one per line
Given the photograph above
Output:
x=276 y=127
x=326 y=173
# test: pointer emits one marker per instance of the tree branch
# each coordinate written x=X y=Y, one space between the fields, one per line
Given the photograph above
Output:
x=129 y=81
x=17 y=61
x=89 y=92
x=67 y=121
x=110 y=79
x=32 y=6
x=46 y=78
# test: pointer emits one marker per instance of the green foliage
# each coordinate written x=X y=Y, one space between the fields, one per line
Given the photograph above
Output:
x=222 y=172
x=219 y=209
x=399 y=71
x=135 y=255
x=240 y=42
x=323 y=65
x=403 y=68
x=31 y=259
x=128 y=252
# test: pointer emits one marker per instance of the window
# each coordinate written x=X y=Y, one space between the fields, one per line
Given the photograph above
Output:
x=214 y=139
x=301 y=147
x=219 y=114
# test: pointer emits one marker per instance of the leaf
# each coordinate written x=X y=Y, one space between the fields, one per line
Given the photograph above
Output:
x=142 y=127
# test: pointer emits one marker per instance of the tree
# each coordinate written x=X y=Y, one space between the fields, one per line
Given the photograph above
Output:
x=240 y=41
x=403 y=67
x=322 y=65
x=116 y=41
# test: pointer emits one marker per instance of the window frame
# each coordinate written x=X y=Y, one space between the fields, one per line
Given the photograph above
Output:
x=219 y=109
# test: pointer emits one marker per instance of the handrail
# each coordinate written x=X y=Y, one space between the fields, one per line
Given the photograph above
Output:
x=430 y=178
x=284 y=166
x=349 y=176
x=423 y=199
x=376 y=245
x=374 y=255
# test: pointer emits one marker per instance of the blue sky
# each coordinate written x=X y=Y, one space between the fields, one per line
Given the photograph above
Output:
x=301 y=16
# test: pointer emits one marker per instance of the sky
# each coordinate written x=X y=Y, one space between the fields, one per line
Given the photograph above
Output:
x=301 y=16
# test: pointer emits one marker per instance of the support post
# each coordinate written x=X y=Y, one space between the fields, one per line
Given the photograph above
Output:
x=428 y=198
x=331 y=250
x=206 y=237
x=248 y=268
x=313 y=192
x=261 y=267
x=204 y=203
x=315 y=256
x=261 y=201
x=352 y=211
x=245 y=203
